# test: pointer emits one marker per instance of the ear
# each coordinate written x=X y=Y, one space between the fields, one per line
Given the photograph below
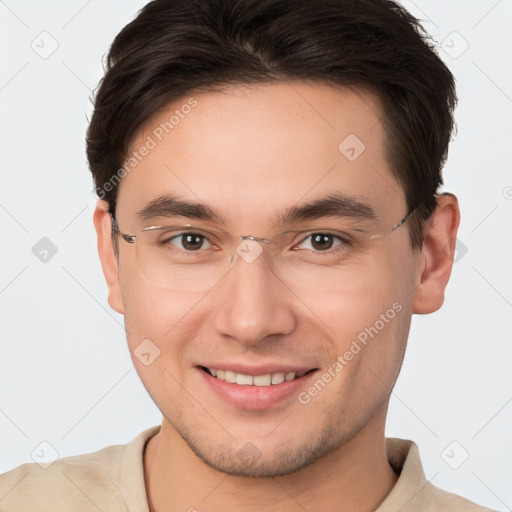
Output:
x=440 y=236
x=103 y=225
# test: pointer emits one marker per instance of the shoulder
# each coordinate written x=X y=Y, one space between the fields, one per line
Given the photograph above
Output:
x=412 y=491
x=81 y=483
x=102 y=480
x=444 y=500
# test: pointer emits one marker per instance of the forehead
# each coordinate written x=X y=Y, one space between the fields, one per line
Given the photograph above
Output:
x=248 y=151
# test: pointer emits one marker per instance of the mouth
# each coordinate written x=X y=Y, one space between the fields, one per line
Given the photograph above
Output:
x=262 y=380
x=265 y=387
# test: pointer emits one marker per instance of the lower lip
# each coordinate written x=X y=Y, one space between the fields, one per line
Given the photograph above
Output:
x=255 y=397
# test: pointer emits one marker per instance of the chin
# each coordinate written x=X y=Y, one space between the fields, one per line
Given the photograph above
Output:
x=248 y=459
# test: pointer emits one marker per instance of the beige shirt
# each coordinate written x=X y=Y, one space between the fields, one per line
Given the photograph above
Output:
x=112 y=480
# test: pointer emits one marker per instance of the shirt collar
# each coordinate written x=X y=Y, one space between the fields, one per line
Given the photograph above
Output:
x=133 y=487
x=411 y=491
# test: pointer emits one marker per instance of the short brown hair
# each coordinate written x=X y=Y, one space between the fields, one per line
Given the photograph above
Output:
x=174 y=48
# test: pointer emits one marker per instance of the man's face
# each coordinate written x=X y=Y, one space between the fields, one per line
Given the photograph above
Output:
x=251 y=154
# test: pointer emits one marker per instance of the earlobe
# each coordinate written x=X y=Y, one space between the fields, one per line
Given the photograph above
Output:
x=102 y=223
x=440 y=235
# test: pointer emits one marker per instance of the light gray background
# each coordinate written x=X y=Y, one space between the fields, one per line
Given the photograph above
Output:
x=65 y=373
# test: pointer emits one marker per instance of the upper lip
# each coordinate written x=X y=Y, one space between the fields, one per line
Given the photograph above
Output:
x=260 y=369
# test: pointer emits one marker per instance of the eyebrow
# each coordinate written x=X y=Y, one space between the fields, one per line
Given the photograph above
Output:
x=336 y=204
x=169 y=206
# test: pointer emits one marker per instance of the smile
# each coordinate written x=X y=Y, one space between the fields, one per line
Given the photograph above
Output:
x=267 y=379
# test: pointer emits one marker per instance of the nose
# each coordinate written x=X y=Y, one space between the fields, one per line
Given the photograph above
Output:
x=254 y=304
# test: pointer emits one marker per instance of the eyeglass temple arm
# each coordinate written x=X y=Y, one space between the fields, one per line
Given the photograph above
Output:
x=115 y=229
x=400 y=222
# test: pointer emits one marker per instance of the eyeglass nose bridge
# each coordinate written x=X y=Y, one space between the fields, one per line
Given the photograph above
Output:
x=256 y=239
x=249 y=252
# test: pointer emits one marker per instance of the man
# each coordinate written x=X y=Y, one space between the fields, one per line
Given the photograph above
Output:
x=268 y=222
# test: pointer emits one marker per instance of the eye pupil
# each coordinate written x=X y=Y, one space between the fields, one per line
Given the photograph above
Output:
x=192 y=242
x=321 y=242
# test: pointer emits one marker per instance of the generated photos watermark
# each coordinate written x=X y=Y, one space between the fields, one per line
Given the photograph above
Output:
x=357 y=345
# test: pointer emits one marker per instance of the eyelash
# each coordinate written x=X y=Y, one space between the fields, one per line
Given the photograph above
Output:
x=344 y=242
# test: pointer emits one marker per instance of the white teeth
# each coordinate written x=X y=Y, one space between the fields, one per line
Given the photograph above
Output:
x=230 y=376
x=263 y=380
x=277 y=378
x=244 y=380
x=248 y=380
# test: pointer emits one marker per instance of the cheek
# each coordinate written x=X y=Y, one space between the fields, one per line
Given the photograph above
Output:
x=358 y=300
x=158 y=330
x=159 y=315
x=368 y=318
x=146 y=312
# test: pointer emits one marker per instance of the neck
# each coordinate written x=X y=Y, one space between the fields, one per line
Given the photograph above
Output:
x=356 y=477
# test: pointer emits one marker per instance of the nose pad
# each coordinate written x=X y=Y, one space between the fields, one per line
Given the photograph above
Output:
x=373 y=238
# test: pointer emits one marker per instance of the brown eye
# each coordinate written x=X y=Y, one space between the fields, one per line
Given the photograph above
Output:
x=321 y=242
x=188 y=241
x=192 y=242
